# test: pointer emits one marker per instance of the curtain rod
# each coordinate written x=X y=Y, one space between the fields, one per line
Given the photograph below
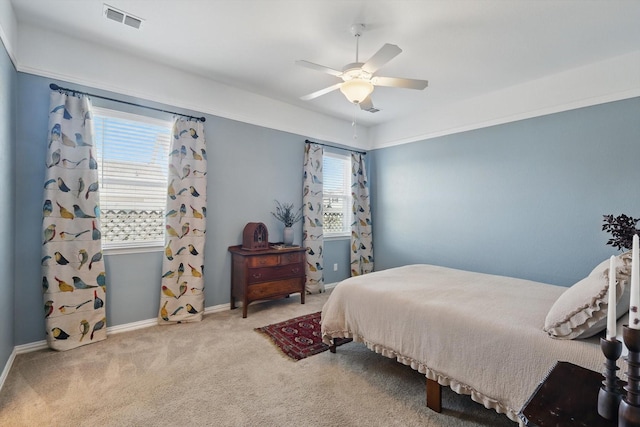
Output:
x=333 y=146
x=54 y=86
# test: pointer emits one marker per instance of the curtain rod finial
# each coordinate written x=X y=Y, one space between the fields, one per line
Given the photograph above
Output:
x=54 y=86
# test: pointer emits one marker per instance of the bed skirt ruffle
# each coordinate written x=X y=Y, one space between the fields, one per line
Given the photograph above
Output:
x=452 y=383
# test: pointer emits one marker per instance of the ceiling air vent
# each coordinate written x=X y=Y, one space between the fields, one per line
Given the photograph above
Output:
x=122 y=17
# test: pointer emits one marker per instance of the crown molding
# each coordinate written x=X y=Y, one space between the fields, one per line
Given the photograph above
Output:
x=45 y=53
x=8 y=30
x=616 y=78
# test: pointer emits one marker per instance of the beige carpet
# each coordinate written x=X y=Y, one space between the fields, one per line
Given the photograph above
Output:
x=220 y=372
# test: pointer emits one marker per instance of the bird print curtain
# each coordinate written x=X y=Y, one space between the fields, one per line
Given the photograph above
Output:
x=182 y=288
x=73 y=274
x=312 y=239
x=361 y=235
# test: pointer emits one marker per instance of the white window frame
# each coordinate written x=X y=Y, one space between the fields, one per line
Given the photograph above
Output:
x=133 y=246
x=345 y=194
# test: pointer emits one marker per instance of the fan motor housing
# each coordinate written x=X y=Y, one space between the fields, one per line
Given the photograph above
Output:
x=355 y=71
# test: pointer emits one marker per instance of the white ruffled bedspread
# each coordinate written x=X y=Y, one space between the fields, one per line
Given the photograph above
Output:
x=477 y=333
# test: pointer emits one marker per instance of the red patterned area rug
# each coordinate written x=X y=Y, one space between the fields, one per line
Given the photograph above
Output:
x=299 y=337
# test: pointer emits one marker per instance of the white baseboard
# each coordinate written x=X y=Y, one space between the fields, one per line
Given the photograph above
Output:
x=329 y=286
x=141 y=324
x=7 y=368
x=217 y=308
x=40 y=345
x=32 y=346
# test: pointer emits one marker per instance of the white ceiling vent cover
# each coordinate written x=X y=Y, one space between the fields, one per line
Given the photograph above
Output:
x=122 y=17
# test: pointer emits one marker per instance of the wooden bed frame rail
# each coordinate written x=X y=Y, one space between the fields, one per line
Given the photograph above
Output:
x=433 y=389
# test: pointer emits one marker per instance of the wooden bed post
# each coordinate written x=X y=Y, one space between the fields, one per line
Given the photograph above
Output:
x=434 y=390
x=434 y=395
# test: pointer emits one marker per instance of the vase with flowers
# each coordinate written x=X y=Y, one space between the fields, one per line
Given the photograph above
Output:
x=285 y=213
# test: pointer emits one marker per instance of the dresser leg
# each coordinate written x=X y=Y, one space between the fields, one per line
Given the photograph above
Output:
x=302 y=296
x=245 y=303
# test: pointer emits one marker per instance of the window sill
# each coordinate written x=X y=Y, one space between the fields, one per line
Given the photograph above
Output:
x=337 y=237
x=132 y=249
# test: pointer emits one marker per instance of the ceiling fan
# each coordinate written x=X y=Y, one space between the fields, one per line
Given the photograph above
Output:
x=359 y=79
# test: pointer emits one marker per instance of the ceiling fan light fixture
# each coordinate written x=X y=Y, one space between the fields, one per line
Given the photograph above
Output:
x=356 y=90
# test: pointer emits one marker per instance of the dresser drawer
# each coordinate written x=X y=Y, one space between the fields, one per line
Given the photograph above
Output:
x=263 y=261
x=274 y=289
x=266 y=274
x=291 y=258
x=256 y=275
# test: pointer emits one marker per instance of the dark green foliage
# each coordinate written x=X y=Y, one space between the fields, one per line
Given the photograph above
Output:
x=622 y=229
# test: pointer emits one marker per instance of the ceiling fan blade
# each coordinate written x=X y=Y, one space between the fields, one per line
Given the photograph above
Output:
x=321 y=92
x=320 y=68
x=400 y=82
x=381 y=57
x=367 y=105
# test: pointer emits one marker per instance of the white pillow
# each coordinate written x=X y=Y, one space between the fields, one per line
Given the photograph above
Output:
x=581 y=311
x=622 y=259
x=622 y=309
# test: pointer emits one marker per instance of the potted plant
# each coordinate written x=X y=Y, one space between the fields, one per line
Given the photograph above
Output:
x=622 y=229
x=285 y=213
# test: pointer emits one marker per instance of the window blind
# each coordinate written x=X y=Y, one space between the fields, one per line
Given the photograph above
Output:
x=336 y=193
x=132 y=153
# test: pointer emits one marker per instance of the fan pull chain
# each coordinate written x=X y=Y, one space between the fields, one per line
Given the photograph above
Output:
x=354 y=123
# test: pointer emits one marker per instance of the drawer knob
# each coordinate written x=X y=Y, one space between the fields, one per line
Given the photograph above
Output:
x=295 y=270
x=257 y=275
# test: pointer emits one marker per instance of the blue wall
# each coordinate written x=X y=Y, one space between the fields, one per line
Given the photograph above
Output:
x=8 y=85
x=248 y=168
x=523 y=199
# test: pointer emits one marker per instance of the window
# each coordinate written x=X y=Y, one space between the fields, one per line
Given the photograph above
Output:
x=132 y=154
x=336 y=194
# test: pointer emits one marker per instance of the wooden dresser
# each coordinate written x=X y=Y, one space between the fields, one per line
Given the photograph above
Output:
x=265 y=274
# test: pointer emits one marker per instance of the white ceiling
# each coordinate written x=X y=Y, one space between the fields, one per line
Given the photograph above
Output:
x=465 y=48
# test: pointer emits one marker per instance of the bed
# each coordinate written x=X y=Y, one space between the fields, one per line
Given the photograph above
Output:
x=492 y=337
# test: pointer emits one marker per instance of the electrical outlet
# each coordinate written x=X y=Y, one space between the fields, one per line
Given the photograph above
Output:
x=335 y=267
